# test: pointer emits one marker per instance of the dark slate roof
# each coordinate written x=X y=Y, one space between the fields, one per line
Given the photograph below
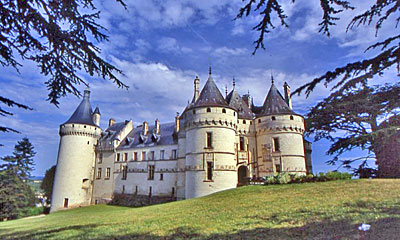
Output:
x=97 y=110
x=135 y=139
x=210 y=96
x=274 y=103
x=111 y=132
x=236 y=102
x=83 y=113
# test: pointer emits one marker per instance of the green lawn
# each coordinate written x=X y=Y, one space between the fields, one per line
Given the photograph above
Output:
x=330 y=210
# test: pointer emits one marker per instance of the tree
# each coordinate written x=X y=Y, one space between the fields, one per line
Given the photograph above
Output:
x=350 y=81
x=16 y=196
x=47 y=183
x=353 y=119
x=59 y=36
x=21 y=160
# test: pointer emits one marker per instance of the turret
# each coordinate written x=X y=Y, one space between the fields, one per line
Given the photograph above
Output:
x=96 y=116
x=72 y=182
x=288 y=99
x=196 y=89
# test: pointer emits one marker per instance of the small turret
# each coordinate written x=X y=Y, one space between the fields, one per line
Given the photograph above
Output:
x=96 y=116
x=196 y=89
x=288 y=99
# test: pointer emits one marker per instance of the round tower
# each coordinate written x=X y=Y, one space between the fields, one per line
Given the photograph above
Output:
x=210 y=162
x=279 y=135
x=74 y=172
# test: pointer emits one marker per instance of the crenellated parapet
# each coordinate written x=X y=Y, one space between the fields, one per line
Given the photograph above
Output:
x=80 y=130
x=284 y=123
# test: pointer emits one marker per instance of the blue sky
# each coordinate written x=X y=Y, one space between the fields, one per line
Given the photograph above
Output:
x=162 y=45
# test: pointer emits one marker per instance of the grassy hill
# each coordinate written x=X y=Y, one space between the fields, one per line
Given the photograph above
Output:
x=329 y=210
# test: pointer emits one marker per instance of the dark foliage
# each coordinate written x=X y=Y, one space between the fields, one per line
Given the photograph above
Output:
x=59 y=36
x=47 y=183
x=21 y=160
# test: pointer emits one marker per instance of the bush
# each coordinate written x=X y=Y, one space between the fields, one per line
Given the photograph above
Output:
x=30 y=211
x=284 y=178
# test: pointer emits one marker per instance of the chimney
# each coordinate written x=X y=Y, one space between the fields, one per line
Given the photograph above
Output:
x=177 y=122
x=111 y=122
x=288 y=99
x=196 y=88
x=145 y=128
x=157 y=127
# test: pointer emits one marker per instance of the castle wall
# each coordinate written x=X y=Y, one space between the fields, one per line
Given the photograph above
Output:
x=74 y=172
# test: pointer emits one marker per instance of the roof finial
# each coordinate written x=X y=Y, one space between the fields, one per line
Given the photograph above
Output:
x=86 y=92
x=209 y=70
x=272 y=77
x=226 y=90
x=233 y=83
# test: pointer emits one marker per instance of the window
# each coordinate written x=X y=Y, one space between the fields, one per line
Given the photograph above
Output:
x=275 y=142
x=118 y=157
x=174 y=154
x=208 y=109
x=162 y=152
x=173 y=192
x=244 y=121
x=291 y=117
x=234 y=114
x=259 y=120
x=143 y=156
x=209 y=171
x=241 y=143
x=98 y=173
x=150 y=192
x=88 y=142
x=135 y=156
x=278 y=168
x=108 y=173
x=161 y=176
x=65 y=202
x=151 y=172
x=223 y=110
x=194 y=111
x=273 y=118
x=152 y=155
x=136 y=189
x=123 y=189
x=209 y=140
x=125 y=157
x=124 y=172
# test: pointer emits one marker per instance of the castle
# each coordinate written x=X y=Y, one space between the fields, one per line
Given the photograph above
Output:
x=216 y=144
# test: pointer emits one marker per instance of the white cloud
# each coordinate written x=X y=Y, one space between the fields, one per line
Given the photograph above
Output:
x=225 y=51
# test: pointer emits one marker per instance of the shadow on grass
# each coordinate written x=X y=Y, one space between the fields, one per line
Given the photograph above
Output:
x=382 y=228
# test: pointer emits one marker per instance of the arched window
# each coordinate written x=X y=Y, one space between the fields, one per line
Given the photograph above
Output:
x=208 y=109
x=273 y=118
x=259 y=120
x=244 y=121
x=194 y=111
x=291 y=117
x=234 y=114
x=223 y=110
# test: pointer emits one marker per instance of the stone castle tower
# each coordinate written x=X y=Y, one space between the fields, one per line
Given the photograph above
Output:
x=74 y=172
x=209 y=125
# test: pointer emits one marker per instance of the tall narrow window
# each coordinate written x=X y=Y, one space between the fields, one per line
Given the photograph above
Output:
x=152 y=155
x=209 y=171
x=241 y=143
x=276 y=144
x=174 y=154
x=161 y=176
x=151 y=172
x=135 y=156
x=209 y=140
x=118 y=157
x=99 y=157
x=150 y=191
x=208 y=109
x=108 y=173
x=143 y=156
x=162 y=152
x=125 y=157
x=98 y=173
x=124 y=172
x=65 y=202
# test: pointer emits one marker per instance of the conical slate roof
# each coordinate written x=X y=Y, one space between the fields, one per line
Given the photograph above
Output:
x=83 y=113
x=210 y=96
x=235 y=101
x=97 y=110
x=274 y=103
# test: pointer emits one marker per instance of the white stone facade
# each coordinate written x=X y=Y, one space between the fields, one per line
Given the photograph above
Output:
x=212 y=146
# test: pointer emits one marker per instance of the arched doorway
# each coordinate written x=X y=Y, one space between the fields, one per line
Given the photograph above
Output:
x=242 y=176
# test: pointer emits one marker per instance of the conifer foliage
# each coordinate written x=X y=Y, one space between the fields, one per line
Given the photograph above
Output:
x=15 y=193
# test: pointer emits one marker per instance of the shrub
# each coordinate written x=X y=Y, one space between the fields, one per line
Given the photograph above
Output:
x=284 y=178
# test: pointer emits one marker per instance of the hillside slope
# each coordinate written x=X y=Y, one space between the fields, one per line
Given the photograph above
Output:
x=296 y=211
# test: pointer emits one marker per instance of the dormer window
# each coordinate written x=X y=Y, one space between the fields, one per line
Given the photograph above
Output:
x=208 y=109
